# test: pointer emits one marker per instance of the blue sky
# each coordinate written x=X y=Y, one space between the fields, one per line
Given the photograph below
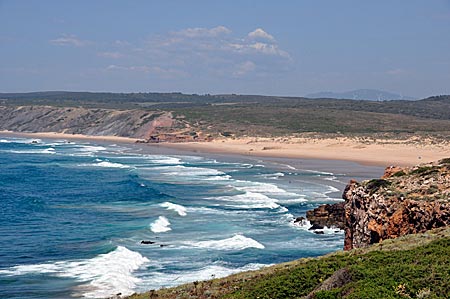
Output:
x=249 y=47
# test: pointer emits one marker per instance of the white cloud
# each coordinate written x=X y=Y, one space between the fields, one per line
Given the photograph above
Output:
x=155 y=70
x=260 y=34
x=203 y=32
x=214 y=51
x=396 y=72
x=113 y=55
x=258 y=48
x=219 y=39
x=69 y=40
x=244 y=68
x=142 y=68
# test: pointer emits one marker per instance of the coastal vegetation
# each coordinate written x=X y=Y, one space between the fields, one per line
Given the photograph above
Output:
x=251 y=115
x=412 y=266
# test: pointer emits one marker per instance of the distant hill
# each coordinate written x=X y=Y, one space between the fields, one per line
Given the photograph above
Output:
x=134 y=114
x=360 y=94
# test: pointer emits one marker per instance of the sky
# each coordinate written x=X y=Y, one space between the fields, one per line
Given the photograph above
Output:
x=288 y=48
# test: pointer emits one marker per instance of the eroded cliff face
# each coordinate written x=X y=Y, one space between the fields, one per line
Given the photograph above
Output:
x=404 y=201
x=77 y=120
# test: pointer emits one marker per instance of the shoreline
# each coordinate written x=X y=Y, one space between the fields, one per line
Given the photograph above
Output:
x=55 y=135
x=381 y=152
x=371 y=153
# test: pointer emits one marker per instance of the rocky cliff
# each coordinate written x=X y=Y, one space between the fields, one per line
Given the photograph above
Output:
x=90 y=121
x=404 y=201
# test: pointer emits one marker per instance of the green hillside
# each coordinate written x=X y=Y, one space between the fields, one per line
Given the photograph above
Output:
x=414 y=266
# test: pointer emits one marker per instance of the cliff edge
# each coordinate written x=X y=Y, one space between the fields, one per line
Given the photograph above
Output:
x=404 y=201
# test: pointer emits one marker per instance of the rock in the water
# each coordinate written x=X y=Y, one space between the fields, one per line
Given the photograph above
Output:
x=147 y=242
x=316 y=226
x=327 y=215
x=299 y=220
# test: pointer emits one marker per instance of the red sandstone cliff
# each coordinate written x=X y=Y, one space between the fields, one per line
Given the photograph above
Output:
x=404 y=201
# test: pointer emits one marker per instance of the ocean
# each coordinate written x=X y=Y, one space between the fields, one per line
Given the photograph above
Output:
x=73 y=215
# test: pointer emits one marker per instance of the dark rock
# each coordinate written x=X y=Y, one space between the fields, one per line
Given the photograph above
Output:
x=147 y=242
x=339 y=279
x=328 y=215
x=319 y=232
x=316 y=226
x=299 y=219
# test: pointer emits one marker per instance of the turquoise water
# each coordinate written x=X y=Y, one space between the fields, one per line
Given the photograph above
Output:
x=73 y=216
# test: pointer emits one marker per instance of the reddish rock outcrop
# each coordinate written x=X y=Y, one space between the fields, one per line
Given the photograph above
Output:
x=406 y=201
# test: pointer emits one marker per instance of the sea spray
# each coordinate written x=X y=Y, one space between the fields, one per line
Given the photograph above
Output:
x=177 y=208
x=237 y=242
x=160 y=225
x=102 y=276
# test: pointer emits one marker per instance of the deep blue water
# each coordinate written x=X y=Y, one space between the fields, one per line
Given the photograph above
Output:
x=73 y=215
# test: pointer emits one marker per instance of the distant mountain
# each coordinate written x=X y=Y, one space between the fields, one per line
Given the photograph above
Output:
x=360 y=94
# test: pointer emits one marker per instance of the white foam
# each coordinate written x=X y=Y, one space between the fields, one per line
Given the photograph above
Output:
x=294 y=200
x=105 y=275
x=180 y=170
x=251 y=200
x=160 y=279
x=219 y=178
x=331 y=189
x=238 y=242
x=49 y=150
x=261 y=187
x=331 y=178
x=21 y=140
x=177 y=208
x=160 y=225
x=165 y=160
x=91 y=148
x=110 y=165
x=273 y=176
x=306 y=225
x=318 y=172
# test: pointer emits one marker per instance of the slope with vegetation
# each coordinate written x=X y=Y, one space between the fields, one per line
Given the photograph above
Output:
x=405 y=201
x=405 y=216
x=252 y=115
x=413 y=266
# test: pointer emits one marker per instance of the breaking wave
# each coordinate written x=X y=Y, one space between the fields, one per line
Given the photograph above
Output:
x=238 y=242
x=160 y=225
x=174 y=207
x=105 y=275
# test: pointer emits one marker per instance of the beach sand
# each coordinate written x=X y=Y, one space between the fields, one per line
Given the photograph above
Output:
x=369 y=152
x=379 y=152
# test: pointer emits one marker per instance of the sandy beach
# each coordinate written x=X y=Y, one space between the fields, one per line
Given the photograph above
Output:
x=379 y=152
x=369 y=152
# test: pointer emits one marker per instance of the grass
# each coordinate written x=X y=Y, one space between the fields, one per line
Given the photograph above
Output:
x=265 y=116
x=413 y=266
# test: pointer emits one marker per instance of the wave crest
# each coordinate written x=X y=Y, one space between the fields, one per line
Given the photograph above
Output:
x=177 y=208
x=238 y=242
x=107 y=274
x=160 y=225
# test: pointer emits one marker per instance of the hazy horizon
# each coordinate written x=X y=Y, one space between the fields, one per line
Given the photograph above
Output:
x=292 y=49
